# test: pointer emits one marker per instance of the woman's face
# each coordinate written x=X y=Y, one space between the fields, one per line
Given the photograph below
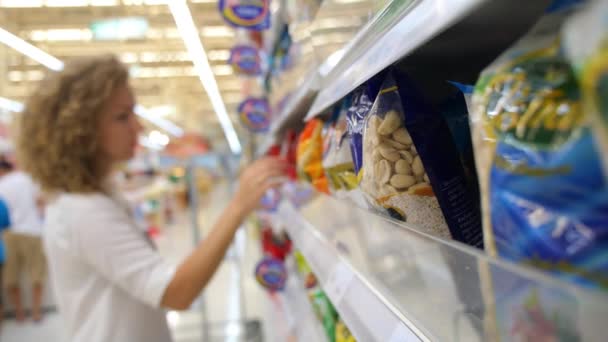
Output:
x=119 y=127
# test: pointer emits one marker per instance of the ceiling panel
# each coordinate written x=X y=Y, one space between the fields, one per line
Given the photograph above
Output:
x=161 y=69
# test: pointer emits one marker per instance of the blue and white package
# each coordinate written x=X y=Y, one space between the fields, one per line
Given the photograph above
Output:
x=544 y=199
x=360 y=106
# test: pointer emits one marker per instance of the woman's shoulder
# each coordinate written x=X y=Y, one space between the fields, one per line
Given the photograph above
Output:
x=83 y=205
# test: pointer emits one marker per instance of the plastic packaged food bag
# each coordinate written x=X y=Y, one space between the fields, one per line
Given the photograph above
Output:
x=544 y=199
x=412 y=168
x=585 y=40
x=309 y=155
x=342 y=333
x=325 y=312
x=455 y=110
x=362 y=100
x=361 y=104
x=337 y=159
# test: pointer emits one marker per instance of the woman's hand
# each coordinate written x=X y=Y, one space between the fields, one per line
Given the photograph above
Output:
x=255 y=180
x=196 y=271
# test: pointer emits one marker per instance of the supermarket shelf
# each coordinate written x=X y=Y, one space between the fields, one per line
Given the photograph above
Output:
x=392 y=283
x=292 y=312
x=294 y=110
x=450 y=35
x=306 y=325
x=298 y=104
x=265 y=145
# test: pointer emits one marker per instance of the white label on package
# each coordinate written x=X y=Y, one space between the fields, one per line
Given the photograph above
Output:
x=339 y=282
x=402 y=333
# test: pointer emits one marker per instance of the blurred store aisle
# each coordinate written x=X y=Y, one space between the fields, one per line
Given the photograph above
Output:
x=226 y=303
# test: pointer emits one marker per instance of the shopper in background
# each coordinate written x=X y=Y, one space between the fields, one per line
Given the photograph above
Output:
x=24 y=253
x=110 y=282
x=4 y=224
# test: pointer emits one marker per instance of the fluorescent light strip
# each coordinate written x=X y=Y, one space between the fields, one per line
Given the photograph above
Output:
x=185 y=25
x=11 y=105
x=163 y=123
x=18 y=107
x=30 y=50
x=55 y=64
x=145 y=142
x=170 y=127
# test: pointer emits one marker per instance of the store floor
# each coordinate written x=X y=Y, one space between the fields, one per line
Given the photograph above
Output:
x=231 y=308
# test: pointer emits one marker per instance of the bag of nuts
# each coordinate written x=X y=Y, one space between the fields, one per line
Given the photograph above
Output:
x=412 y=168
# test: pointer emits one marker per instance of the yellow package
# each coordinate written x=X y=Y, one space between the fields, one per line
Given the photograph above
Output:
x=309 y=155
x=342 y=333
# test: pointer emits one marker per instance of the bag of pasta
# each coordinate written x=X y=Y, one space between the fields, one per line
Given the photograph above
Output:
x=544 y=198
x=585 y=38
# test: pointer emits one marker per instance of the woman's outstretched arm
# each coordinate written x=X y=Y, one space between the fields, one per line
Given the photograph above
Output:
x=193 y=274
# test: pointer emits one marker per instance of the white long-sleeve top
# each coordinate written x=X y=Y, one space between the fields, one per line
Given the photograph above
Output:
x=108 y=277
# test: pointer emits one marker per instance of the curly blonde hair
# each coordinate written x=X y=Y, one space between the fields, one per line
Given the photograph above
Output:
x=58 y=133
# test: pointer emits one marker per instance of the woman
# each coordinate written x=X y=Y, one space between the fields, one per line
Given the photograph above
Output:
x=110 y=283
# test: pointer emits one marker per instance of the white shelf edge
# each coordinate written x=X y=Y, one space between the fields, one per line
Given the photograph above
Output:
x=307 y=326
x=311 y=83
x=419 y=22
x=293 y=312
x=348 y=290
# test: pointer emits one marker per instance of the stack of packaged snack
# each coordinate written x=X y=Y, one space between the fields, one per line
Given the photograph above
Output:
x=335 y=329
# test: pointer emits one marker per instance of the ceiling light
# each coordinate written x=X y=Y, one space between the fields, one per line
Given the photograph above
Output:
x=35 y=75
x=61 y=35
x=217 y=31
x=158 y=138
x=154 y=33
x=172 y=33
x=222 y=70
x=104 y=2
x=21 y=3
x=165 y=124
x=30 y=50
x=56 y=3
x=66 y=3
x=185 y=24
x=54 y=64
x=11 y=105
x=162 y=111
x=129 y=57
x=333 y=23
x=145 y=142
x=15 y=76
x=219 y=55
x=331 y=62
x=149 y=57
